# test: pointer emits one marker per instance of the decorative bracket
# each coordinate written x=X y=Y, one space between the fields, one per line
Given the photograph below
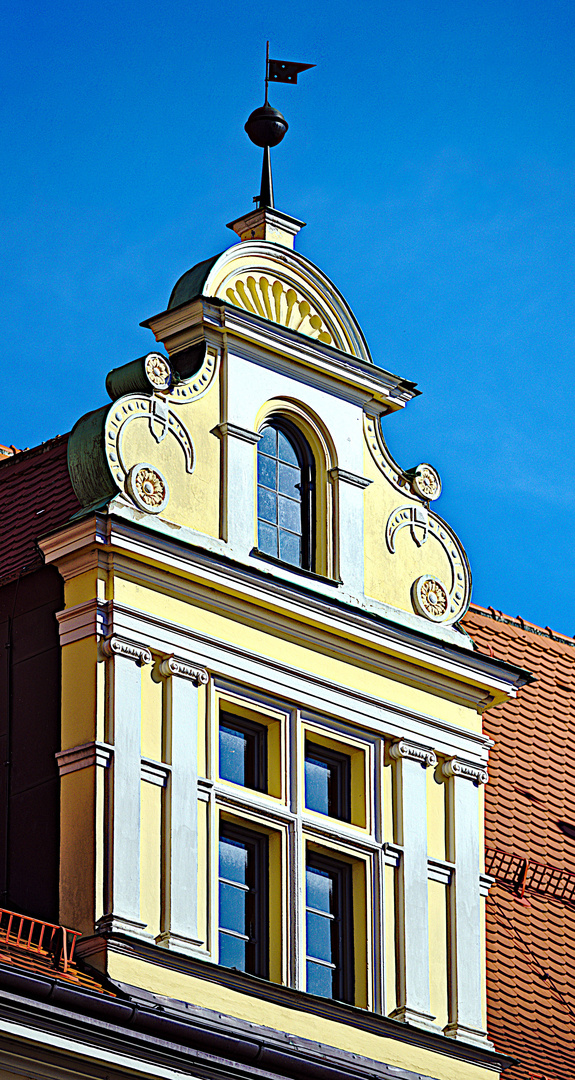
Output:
x=117 y=646
x=467 y=770
x=403 y=749
x=173 y=666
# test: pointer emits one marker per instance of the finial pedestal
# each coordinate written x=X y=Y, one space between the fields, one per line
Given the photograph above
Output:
x=267 y=223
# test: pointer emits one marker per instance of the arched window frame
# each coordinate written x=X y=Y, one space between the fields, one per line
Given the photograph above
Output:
x=307 y=466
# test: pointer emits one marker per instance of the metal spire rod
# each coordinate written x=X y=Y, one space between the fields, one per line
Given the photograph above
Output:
x=267 y=70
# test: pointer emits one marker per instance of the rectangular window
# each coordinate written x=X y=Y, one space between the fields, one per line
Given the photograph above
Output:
x=243 y=900
x=327 y=781
x=329 y=928
x=243 y=752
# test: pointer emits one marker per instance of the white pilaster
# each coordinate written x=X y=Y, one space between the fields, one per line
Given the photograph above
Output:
x=464 y=840
x=125 y=659
x=239 y=487
x=410 y=799
x=350 y=489
x=181 y=828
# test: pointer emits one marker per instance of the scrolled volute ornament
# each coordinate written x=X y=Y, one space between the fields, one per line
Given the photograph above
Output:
x=172 y=666
x=467 y=770
x=403 y=749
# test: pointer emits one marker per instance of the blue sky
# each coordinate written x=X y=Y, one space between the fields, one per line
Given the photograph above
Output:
x=431 y=153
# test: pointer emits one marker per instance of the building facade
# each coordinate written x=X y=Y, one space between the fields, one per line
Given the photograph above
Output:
x=238 y=686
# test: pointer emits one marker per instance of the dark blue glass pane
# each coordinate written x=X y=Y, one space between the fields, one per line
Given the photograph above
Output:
x=232 y=952
x=289 y=514
x=319 y=980
x=318 y=889
x=289 y=481
x=316 y=785
x=233 y=909
x=268 y=442
x=232 y=754
x=267 y=508
x=286 y=450
x=290 y=548
x=268 y=539
x=318 y=936
x=267 y=471
x=233 y=860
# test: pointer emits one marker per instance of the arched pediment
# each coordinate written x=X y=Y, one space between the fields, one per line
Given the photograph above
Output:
x=280 y=286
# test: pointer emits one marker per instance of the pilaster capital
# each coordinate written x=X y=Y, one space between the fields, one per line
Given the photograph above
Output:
x=467 y=770
x=182 y=670
x=131 y=650
x=405 y=750
x=349 y=478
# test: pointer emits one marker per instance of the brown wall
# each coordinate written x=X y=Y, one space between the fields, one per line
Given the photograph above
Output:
x=29 y=739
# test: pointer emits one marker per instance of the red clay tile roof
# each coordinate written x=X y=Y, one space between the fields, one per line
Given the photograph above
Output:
x=530 y=814
x=36 y=496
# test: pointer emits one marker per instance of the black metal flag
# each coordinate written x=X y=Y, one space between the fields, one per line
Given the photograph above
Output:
x=285 y=71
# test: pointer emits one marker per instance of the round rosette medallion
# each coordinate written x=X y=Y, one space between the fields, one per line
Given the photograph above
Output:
x=158 y=371
x=426 y=483
x=148 y=488
x=430 y=598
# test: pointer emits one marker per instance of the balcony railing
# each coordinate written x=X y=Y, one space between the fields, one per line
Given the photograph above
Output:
x=34 y=935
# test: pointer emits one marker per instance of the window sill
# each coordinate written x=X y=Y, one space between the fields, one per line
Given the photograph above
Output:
x=299 y=570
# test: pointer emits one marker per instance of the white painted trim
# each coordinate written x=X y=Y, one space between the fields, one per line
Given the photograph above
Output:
x=180 y=929
x=410 y=807
x=244 y=434
x=440 y=871
x=79 y=1049
x=464 y=949
x=485 y=883
x=282 y=682
x=153 y=772
x=349 y=478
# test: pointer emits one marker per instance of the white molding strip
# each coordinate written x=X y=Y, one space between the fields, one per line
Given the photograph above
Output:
x=154 y=772
x=349 y=478
x=84 y=620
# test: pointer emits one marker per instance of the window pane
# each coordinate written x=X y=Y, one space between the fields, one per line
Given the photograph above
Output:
x=290 y=548
x=267 y=508
x=268 y=539
x=289 y=514
x=319 y=979
x=267 y=471
x=319 y=887
x=317 y=777
x=233 y=909
x=289 y=481
x=232 y=755
x=286 y=450
x=318 y=936
x=268 y=442
x=232 y=952
x=233 y=860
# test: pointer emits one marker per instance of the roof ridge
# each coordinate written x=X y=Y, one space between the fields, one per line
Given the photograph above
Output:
x=23 y=456
x=522 y=624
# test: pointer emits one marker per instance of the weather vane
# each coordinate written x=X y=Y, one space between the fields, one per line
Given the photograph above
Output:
x=267 y=126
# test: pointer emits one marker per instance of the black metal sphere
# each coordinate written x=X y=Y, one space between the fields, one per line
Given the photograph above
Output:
x=266 y=126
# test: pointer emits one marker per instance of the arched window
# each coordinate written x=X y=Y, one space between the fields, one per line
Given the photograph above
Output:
x=285 y=495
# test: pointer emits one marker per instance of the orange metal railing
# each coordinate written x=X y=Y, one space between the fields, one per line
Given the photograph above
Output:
x=47 y=939
x=523 y=875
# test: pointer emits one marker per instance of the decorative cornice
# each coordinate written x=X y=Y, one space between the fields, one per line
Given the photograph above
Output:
x=485 y=883
x=236 y=432
x=173 y=666
x=84 y=620
x=468 y=770
x=154 y=772
x=131 y=650
x=83 y=757
x=349 y=478
x=402 y=750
